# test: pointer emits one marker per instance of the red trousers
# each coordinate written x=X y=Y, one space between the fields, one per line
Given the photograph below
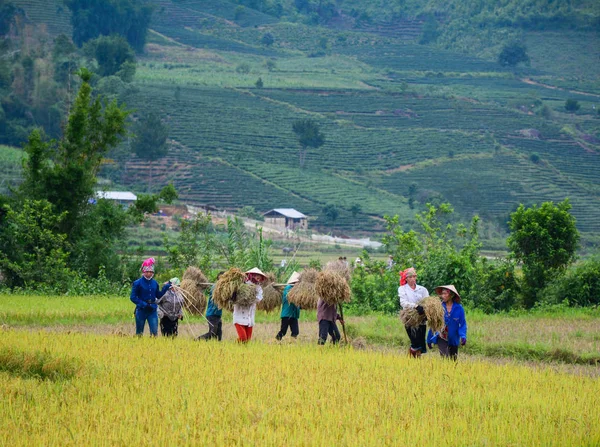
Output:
x=244 y=333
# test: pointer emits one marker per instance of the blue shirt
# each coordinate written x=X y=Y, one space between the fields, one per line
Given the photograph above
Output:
x=288 y=310
x=456 y=324
x=144 y=293
x=212 y=310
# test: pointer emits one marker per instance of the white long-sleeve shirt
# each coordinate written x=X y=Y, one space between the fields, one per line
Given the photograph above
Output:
x=409 y=297
x=245 y=315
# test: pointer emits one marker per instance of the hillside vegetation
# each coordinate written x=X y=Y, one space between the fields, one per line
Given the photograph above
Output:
x=412 y=101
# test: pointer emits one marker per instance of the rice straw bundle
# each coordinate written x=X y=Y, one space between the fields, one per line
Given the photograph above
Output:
x=433 y=311
x=227 y=287
x=339 y=267
x=246 y=295
x=271 y=295
x=332 y=288
x=304 y=294
x=195 y=274
x=410 y=317
x=195 y=301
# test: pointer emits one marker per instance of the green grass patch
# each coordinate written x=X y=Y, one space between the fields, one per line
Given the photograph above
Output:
x=37 y=365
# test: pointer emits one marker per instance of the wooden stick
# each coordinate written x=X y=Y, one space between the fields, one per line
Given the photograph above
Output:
x=343 y=322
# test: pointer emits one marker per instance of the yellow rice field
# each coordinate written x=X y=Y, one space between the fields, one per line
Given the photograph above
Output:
x=110 y=390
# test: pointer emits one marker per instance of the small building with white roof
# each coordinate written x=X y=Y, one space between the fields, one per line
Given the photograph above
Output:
x=287 y=218
x=124 y=198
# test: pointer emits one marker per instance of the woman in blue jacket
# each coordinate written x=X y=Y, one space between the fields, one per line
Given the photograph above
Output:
x=144 y=293
x=455 y=329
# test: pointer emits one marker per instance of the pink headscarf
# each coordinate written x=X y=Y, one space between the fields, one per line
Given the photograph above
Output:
x=148 y=265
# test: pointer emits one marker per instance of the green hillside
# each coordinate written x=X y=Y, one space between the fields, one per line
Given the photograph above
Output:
x=402 y=120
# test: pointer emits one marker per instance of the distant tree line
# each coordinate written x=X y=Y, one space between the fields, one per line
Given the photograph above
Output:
x=93 y=18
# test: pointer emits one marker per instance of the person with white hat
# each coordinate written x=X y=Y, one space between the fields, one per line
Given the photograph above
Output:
x=170 y=309
x=243 y=316
x=455 y=329
x=290 y=313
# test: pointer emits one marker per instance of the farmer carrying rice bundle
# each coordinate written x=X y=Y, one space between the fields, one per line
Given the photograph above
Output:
x=455 y=328
x=144 y=293
x=410 y=293
x=244 y=308
x=290 y=313
x=213 y=316
x=170 y=309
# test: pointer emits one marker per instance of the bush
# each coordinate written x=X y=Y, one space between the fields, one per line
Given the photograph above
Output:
x=495 y=286
x=572 y=105
x=579 y=285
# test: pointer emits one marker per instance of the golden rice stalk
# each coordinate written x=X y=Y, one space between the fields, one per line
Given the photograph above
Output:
x=246 y=295
x=303 y=294
x=271 y=298
x=196 y=275
x=195 y=300
x=434 y=312
x=341 y=268
x=332 y=288
x=227 y=287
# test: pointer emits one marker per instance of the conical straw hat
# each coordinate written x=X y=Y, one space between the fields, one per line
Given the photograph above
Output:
x=294 y=278
x=256 y=271
x=451 y=288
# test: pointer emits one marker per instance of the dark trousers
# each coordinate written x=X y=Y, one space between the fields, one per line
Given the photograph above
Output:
x=286 y=322
x=417 y=337
x=168 y=327
x=215 y=329
x=446 y=350
x=328 y=327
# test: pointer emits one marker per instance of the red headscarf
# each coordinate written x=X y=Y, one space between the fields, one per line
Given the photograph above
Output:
x=404 y=274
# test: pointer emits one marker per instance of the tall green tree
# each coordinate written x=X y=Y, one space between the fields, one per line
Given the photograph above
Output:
x=545 y=240
x=150 y=140
x=309 y=135
x=64 y=171
x=111 y=54
x=513 y=54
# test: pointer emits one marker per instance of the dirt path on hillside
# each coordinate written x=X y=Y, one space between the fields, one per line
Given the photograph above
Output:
x=554 y=87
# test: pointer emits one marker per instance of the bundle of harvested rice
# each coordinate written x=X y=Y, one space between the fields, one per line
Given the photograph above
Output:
x=193 y=296
x=246 y=295
x=271 y=295
x=195 y=274
x=332 y=288
x=411 y=318
x=227 y=287
x=339 y=267
x=433 y=311
x=304 y=294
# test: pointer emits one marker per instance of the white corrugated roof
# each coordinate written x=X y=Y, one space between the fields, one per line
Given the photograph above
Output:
x=288 y=212
x=116 y=195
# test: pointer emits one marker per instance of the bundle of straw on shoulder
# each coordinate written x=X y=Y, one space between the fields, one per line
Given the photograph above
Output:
x=433 y=311
x=332 y=288
x=341 y=268
x=226 y=288
x=193 y=284
x=246 y=295
x=271 y=295
x=304 y=294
